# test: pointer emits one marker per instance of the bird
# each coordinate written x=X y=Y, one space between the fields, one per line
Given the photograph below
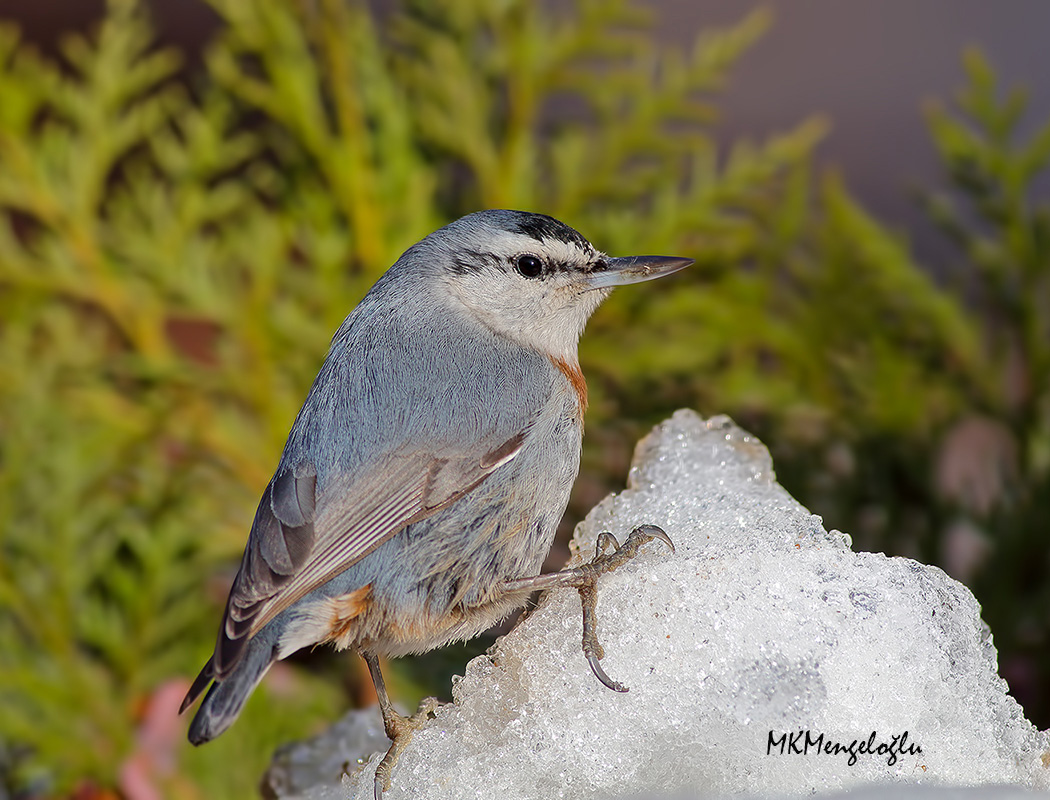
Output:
x=425 y=475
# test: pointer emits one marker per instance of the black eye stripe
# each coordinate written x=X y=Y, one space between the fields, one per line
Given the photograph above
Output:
x=529 y=266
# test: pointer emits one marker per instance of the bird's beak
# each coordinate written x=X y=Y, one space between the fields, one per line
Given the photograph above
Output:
x=633 y=269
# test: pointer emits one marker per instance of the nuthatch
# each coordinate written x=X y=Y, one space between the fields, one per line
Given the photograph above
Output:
x=424 y=477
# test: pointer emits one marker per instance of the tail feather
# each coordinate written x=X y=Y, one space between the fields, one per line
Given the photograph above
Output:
x=227 y=697
x=200 y=683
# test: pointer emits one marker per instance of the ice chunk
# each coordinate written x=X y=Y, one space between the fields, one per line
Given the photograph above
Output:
x=320 y=761
x=761 y=633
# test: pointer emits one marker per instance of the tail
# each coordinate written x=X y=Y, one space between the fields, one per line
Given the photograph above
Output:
x=226 y=697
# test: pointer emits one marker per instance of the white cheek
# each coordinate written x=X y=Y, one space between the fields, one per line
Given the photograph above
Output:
x=545 y=317
x=558 y=334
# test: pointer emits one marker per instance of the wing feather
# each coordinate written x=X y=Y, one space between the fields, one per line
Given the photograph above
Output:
x=300 y=540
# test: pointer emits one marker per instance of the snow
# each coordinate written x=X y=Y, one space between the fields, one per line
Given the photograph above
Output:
x=762 y=628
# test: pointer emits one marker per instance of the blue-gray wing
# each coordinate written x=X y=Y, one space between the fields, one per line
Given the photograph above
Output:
x=300 y=540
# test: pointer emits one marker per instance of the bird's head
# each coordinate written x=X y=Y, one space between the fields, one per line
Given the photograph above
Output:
x=530 y=277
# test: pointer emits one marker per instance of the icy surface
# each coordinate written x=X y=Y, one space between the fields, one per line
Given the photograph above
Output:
x=761 y=625
x=299 y=766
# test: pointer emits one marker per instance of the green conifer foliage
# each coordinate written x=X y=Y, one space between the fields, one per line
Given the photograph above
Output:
x=177 y=247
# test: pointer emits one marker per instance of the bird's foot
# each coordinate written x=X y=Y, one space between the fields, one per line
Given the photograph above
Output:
x=585 y=580
x=400 y=729
x=601 y=563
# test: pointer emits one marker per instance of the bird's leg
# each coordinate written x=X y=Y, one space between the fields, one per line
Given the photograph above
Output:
x=399 y=729
x=585 y=580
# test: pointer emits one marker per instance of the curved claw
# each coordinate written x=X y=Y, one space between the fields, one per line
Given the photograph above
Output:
x=599 y=673
x=605 y=539
x=379 y=786
x=653 y=532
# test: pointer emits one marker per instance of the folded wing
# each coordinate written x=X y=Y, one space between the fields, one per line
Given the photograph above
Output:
x=301 y=539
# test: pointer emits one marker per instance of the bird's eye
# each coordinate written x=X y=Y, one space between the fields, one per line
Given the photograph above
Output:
x=529 y=266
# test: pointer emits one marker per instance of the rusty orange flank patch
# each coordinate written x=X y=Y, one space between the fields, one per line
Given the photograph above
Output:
x=346 y=609
x=575 y=376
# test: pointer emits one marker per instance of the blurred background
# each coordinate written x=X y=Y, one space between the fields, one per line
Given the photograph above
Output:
x=194 y=194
